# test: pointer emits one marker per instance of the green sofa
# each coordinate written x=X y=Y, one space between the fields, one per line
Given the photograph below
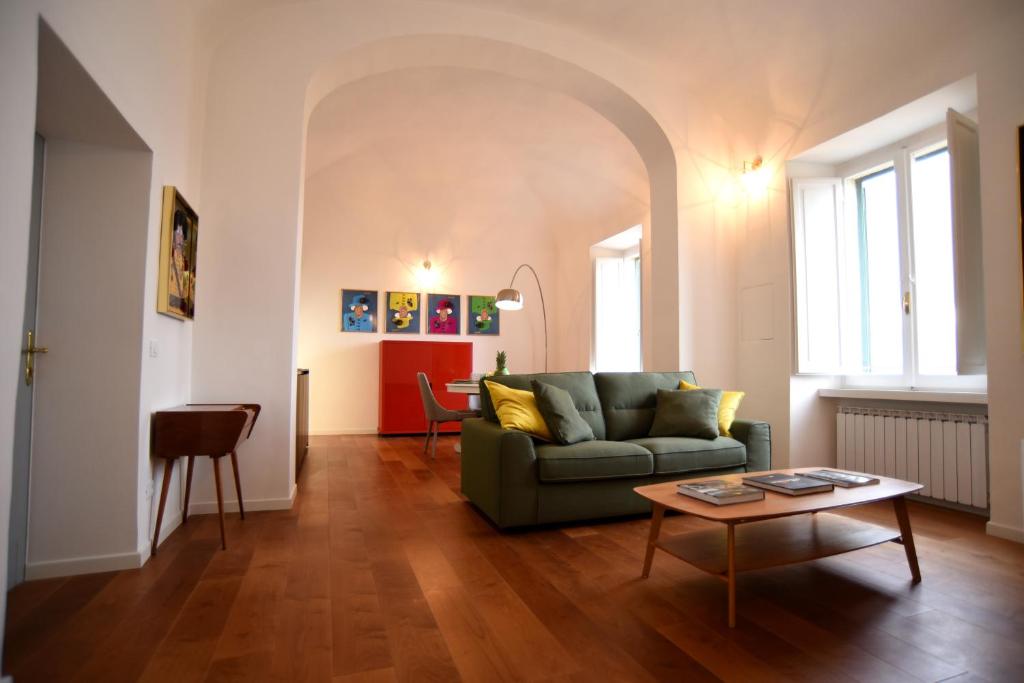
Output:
x=518 y=481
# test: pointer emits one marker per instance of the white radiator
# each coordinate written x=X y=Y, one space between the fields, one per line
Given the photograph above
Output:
x=946 y=452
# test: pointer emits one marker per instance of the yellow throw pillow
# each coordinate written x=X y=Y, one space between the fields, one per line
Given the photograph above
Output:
x=517 y=409
x=726 y=409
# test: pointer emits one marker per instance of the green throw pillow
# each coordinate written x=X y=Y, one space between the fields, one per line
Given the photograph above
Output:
x=560 y=415
x=686 y=413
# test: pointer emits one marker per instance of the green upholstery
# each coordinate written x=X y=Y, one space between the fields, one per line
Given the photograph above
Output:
x=757 y=437
x=575 y=501
x=687 y=413
x=629 y=400
x=593 y=460
x=518 y=481
x=499 y=472
x=560 y=415
x=674 y=454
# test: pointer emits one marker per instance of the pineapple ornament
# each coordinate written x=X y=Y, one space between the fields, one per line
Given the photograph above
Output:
x=501 y=364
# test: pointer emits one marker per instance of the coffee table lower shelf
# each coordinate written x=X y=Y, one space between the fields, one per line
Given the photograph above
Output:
x=775 y=542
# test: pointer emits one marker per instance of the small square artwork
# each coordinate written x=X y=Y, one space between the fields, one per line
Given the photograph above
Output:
x=443 y=311
x=403 y=313
x=483 y=316
x=358 y=310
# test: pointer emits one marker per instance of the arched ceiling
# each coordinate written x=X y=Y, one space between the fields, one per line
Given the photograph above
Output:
x=453 y=131
x=699 y=41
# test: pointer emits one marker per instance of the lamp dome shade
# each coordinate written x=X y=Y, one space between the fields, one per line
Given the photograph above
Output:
x=509 y=300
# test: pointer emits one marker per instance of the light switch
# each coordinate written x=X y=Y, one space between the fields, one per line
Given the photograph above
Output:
x=154 y=348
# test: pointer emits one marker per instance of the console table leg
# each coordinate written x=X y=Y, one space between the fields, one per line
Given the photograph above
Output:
x=188 y=487
x=731 y=559
x=657 y=514
x=907 y=536
x=220 y=502
x=168 y=469
x=238 y=484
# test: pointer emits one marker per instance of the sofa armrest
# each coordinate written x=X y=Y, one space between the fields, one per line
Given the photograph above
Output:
x=757 y=437
x=499 y=472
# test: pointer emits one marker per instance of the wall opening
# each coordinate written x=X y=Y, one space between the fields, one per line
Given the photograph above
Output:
x=616 y=334
x=80 y=454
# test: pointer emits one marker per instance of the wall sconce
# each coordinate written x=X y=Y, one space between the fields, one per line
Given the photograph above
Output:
x=756 y=177
x=426 y=276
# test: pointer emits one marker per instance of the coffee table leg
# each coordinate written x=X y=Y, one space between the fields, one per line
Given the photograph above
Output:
x=907 y=536
x=731 y=559
x=657 y=514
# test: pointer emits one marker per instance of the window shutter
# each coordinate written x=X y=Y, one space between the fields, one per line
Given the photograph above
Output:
x=969 y=288
x=819 y=271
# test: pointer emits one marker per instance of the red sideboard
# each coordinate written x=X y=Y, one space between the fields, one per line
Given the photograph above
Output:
x=401 y=410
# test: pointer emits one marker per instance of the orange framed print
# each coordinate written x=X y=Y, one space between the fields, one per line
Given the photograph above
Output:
x=179 y=232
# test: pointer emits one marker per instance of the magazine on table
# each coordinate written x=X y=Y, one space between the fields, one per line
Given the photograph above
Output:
x=720 y=492
x=847 y=480
x=790 y=484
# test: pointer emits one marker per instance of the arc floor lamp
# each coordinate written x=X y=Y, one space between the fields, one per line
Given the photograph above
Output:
x=511 y=299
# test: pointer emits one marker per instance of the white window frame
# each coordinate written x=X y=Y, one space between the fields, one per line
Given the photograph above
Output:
x=899 y=156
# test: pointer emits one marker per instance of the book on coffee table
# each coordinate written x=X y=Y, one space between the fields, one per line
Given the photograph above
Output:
x=720 y=492
x=847 y=480
x=790 y=484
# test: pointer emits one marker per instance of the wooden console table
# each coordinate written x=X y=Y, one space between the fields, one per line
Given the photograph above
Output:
x=211 y=429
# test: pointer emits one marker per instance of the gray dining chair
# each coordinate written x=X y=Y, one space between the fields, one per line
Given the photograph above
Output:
x=437 y=413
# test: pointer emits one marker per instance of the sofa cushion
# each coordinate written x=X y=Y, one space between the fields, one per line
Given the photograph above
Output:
x=674 y=454
x=580 y=386
x=518 y=410
x=589 y=460
x=726 y=409
x=564 y=422
x=629 y=400
x=687 y=413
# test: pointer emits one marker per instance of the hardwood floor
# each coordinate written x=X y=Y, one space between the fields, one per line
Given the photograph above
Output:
x=382 y=572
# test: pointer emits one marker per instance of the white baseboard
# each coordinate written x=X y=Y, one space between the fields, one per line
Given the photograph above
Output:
x=1010 y=533
x=100 y=563
x=83 y=565
x=210 y=507
x=344 y=431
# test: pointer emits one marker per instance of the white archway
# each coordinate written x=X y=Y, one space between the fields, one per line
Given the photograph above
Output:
x=252 y=199
x=546 y=71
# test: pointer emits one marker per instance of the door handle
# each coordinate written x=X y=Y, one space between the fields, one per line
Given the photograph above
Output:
x=30 y=352
x=906 y=302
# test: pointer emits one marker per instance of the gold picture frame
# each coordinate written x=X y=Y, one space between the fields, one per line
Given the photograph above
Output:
x=179 y=235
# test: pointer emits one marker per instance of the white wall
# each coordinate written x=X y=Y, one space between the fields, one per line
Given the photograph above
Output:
x=143 y=55
x=476 y=172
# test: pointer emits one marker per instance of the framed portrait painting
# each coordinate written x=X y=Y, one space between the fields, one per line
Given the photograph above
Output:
x=443 y=311
x=358 y=310
x=403 y=313
x=179 y=232
x=484 y=316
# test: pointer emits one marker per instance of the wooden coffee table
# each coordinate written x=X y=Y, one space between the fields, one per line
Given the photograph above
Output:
x=778 y=530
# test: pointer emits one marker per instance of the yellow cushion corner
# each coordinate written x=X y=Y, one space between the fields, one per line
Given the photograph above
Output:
x=517 y=409
x=726 y=409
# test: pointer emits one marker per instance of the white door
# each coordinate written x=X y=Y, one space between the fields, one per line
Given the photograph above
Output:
x=17 y=540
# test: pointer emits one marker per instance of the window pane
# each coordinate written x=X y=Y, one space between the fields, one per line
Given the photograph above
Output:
x=881 y=296
x=617 y=315
x=933 y=265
